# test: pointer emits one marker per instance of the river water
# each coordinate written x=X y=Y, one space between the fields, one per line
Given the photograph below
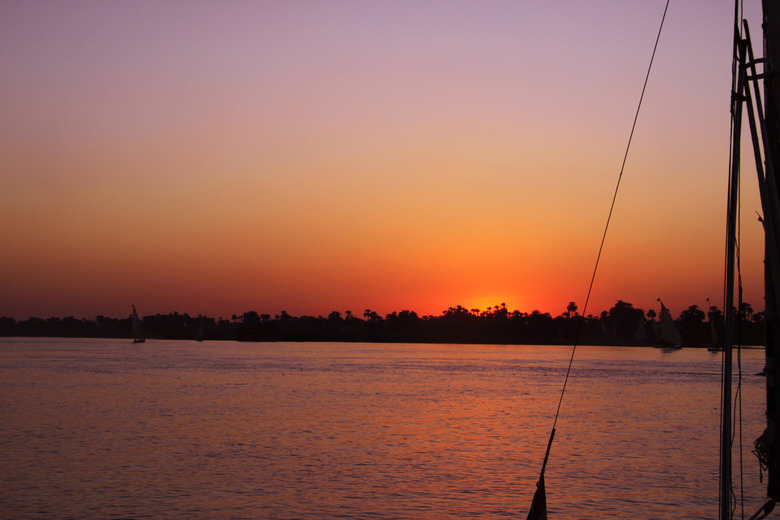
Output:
x=104 y=429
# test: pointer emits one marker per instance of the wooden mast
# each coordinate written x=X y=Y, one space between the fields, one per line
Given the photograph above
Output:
x=771 y=22
x=765 y=131
x=728 y=337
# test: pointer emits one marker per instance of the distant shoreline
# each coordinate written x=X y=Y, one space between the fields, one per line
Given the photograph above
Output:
x=622 y=325
x=569 y=345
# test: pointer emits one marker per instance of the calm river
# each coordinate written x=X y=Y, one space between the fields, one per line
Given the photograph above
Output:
x=104 y=429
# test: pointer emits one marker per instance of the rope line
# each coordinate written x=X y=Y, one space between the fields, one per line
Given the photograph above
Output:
x=733 y=170
x=609 y=218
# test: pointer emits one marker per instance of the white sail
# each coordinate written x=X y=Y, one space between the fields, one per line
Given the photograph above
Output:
x=640 y=334
x=138 y=331
x=669 y=332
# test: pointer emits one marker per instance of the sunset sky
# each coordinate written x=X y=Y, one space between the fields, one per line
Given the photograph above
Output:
x=310 y=156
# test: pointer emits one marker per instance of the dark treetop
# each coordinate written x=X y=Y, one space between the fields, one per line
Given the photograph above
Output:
x=621 y=325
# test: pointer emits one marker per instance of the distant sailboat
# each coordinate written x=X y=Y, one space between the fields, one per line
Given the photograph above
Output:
x=138 y=331
x=199 y=334
x=715 y=345
x=670 y=336
x=640 y=335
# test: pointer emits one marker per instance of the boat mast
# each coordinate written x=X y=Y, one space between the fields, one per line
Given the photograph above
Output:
x=764 y=121
x=728 y=336
x=771 y=206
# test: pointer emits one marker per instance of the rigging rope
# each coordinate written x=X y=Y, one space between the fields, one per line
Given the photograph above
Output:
x=609 y=218
x=538 y=508
x=539 y=503
x=733 y=169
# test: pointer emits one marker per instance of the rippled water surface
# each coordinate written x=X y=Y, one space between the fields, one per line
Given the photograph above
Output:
x=95 y=429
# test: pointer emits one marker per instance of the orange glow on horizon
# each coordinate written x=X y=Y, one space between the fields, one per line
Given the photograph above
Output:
x=385 y=156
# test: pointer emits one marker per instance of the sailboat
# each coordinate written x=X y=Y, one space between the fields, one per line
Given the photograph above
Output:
x=668 y=331
x=640 y=335
x=138 y=331
x=714 y=344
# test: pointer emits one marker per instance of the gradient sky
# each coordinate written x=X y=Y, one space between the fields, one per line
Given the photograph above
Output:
x=309 y=156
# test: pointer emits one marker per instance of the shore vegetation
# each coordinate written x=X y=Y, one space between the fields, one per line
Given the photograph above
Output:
x=623 y=324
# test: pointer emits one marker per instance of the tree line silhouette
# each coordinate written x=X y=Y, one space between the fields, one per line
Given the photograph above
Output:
x=623 y=324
